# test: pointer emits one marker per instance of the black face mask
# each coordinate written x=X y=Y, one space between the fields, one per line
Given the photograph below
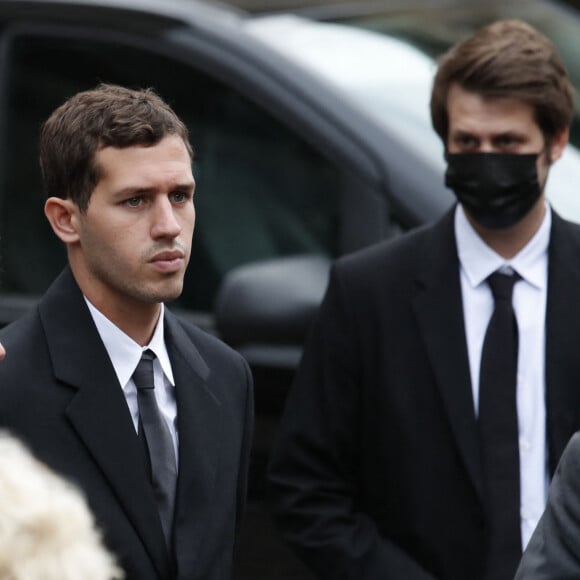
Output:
x=496 y=189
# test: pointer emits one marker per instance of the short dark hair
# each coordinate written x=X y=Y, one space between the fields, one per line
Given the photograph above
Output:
x=507 y=59
x=107 y=116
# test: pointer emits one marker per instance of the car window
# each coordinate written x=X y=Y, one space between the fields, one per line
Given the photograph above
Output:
x=262 y=191
x=384 y=61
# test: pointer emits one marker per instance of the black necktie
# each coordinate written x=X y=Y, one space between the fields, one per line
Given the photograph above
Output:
x=159 y=443
x=498 y=423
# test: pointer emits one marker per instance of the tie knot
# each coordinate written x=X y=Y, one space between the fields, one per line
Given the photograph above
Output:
x=143 y=375
x=502 y=285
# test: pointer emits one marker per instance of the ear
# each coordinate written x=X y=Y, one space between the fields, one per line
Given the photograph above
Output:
x=63 y=216
x=558 y=144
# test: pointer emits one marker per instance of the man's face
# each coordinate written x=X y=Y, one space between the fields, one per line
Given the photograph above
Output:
x=478 y=125
x=134 y=239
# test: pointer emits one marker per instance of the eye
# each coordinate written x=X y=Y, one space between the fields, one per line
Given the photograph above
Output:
x=506 y=141
x=133 y=201
x=179 y=197
x=464 y=141
x=467 y=141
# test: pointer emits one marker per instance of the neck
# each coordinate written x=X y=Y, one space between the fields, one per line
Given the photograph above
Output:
x=135 y=317
x=509 y=241
x=138 y=322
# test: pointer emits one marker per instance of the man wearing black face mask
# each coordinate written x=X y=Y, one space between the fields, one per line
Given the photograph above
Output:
x=440 y=382
x=496 y=189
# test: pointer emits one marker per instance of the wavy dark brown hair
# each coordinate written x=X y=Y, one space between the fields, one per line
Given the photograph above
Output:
x=107 y=116
x=507 y=59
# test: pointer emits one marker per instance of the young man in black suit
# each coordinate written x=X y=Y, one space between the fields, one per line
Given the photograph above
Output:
x=149 y=415
x=430 y=410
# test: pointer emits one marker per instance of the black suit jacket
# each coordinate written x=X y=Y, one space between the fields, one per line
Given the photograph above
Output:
x=377 y=473
x=60 y=394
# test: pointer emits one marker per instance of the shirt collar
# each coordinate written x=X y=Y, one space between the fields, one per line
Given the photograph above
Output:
x=478 y=260
x=124 y=352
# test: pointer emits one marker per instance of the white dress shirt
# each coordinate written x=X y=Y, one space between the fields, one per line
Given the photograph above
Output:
x=125 y=354
x=477 y=262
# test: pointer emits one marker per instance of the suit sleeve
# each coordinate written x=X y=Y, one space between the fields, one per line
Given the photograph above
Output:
x=246 y=444
x=554 y=549
x=314 y=492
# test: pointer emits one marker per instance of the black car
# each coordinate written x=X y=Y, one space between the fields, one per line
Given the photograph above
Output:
x=312 y=140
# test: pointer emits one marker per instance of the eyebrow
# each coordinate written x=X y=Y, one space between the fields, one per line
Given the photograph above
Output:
x=506 y=133
x=137 y=191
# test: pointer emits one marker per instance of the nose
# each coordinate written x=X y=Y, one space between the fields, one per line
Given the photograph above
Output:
x=486 y=147
x=164 y=222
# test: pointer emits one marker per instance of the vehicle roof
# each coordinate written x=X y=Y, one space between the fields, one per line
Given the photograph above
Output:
x=170 y=12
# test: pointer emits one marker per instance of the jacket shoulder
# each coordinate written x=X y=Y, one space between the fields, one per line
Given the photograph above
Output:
x=396 y=259
x=211 y=348
x=22 y=339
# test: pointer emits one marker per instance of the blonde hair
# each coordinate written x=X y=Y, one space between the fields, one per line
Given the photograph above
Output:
x=47 y=531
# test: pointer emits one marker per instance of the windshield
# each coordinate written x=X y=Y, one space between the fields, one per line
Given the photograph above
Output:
x=385 y=63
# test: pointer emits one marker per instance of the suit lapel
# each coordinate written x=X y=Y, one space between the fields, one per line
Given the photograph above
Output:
x=199 y=420
x=439 y=311
x=562 y=322
x=99 y=412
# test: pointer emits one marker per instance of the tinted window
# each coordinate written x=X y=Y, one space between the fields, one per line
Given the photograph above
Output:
x=262 y=191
